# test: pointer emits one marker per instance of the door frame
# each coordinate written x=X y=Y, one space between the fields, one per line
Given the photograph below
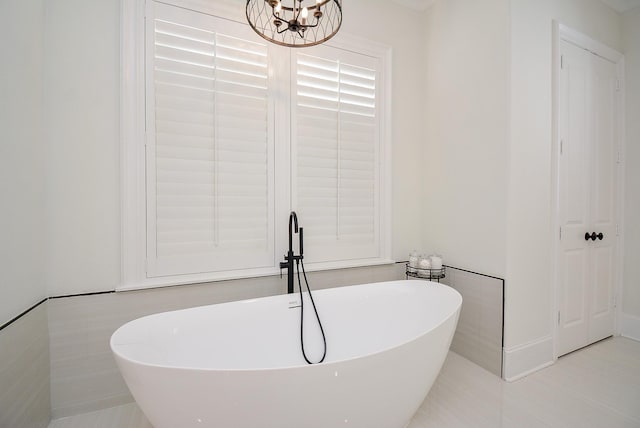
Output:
x=563 y=32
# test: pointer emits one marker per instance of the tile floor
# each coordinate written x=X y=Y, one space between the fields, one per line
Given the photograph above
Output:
x=598 y=386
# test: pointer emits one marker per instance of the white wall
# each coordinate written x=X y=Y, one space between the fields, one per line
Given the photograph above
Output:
x=22 y=150
x=529 y=295
x=631 y=41
x=82 y=112
x=82 y=122
x=466 y=153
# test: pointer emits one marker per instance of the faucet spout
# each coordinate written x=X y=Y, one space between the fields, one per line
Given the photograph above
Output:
x=293 y=222
x=290 y=257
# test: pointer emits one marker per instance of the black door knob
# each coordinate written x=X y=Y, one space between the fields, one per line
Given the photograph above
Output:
x=593 y=236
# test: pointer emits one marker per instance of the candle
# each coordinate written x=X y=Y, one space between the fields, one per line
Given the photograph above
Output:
x=413 y=261
x=436 y=262
x=425 y=263
x=425 y=267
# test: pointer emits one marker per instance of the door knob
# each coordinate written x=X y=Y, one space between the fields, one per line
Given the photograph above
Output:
x=593 y=236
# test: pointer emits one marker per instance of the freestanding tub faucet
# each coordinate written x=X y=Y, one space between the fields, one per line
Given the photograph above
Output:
x=291 y=257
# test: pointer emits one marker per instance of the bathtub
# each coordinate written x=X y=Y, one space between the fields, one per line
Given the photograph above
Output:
x=239 y=364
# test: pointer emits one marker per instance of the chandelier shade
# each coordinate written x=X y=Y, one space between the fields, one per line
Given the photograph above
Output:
x=295 y=23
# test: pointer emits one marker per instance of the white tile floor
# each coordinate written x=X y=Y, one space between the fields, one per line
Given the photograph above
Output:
x=598 y=386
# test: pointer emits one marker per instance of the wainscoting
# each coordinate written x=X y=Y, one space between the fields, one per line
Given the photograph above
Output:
x=24 y=371
x=479 y=336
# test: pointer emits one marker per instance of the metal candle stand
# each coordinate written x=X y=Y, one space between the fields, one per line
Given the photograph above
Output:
x=428 y=274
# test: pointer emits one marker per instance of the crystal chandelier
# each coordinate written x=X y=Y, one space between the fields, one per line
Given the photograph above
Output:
x=295 y=23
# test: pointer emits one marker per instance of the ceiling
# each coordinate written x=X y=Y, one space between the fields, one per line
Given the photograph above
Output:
x=618 y=5
x=622 y=5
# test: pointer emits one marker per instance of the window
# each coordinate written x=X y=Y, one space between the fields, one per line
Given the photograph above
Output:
x=224 y=134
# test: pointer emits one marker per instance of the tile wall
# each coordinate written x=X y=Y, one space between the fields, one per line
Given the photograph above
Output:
x=84 y=375
x=478 y=336
x=24 y=371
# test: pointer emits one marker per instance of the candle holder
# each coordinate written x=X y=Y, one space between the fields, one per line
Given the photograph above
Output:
x=428 y=274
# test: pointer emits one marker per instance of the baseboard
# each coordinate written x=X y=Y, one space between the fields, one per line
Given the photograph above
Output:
x=522 y=360
x=630 y=326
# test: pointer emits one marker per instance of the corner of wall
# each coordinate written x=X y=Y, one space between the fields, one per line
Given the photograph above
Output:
x=630 y=326
x=631 y=156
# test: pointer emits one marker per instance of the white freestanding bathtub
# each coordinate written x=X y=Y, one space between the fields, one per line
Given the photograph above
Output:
x=239 y=364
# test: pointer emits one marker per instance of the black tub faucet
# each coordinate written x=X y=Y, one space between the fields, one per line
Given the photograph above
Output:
x=290 y=257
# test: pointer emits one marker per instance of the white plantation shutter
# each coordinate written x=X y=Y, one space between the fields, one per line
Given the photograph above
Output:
x=215 y=98
x=336 y=153
x=209 y=145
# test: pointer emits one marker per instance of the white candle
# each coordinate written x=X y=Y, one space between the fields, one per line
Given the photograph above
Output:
x=425 y=267
x=436 y=262
x=425 y=263
x=413 y=261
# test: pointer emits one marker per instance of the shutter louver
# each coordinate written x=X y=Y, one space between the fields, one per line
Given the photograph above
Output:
x=211 y=154
x=337 y=151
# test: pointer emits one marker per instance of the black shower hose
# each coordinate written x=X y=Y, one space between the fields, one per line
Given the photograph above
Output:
x=324 y=339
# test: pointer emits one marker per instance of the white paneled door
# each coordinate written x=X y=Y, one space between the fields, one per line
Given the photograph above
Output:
x=588 y=115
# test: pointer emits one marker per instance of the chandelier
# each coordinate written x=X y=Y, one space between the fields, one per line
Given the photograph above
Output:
x=295 y=23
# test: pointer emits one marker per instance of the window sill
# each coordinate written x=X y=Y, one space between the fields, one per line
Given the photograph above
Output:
x=170 y=281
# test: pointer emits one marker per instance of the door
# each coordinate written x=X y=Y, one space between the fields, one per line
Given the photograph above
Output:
x=587 y=197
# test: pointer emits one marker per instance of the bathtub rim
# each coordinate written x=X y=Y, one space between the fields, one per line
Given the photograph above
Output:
x=452 y=313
